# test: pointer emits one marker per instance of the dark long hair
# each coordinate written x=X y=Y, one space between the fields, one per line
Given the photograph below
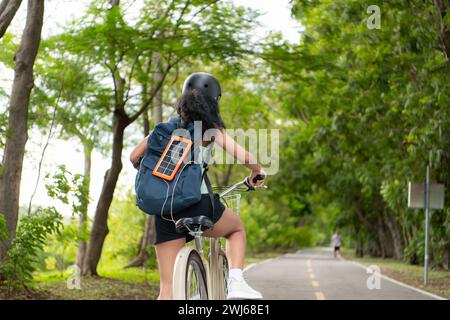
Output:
x=195 y=106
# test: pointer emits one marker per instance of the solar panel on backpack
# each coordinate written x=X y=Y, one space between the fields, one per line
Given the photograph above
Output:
x=173 y=156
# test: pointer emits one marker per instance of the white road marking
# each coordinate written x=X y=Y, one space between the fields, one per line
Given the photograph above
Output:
x=320 y=296
x=400 y=283
x=250 y=266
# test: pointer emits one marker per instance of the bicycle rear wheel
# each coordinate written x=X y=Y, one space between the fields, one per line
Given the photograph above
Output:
x=195 y=279
x=223 y=275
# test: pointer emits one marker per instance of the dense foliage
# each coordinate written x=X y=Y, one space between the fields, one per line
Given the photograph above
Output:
x=368 y=106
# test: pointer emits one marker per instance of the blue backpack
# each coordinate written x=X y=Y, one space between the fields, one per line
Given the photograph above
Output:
x=155 y=195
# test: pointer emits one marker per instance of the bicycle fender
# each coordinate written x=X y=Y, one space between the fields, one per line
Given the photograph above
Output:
x=179 y=273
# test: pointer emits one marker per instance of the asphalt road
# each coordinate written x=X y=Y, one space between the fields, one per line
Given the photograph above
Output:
x=317 y=275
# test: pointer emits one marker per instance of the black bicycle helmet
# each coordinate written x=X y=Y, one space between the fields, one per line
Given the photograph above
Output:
x=205 y=83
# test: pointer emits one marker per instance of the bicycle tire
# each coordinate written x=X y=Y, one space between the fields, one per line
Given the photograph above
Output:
x=195 y=278
x=223 y=275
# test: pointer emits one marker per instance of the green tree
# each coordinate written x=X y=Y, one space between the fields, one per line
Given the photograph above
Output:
x=369 y=105
x=120 y=53
x=12 y=163
x=78 y=105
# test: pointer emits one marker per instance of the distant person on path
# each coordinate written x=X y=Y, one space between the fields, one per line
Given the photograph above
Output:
x=336 y=243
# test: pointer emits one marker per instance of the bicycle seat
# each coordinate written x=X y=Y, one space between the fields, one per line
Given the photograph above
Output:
x=189 y=224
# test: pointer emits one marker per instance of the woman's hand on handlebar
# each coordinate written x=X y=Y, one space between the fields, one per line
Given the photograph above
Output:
x=256 y=178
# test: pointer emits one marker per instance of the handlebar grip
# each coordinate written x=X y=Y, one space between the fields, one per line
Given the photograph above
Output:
x=259 y=177
x=248 y=185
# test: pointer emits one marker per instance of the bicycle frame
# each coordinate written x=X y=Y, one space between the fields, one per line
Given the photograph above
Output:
x=213 y=265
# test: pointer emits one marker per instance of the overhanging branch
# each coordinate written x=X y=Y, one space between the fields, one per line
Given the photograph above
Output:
x=146 y=104
x=8 y=9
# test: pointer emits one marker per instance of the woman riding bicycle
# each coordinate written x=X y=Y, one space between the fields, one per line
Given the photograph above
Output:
x=200 y=102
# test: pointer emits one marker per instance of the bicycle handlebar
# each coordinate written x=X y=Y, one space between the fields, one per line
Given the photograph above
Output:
x=246 y=183
x=257 y=178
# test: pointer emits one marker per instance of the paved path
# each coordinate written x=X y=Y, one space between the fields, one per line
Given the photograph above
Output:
x=316 y=275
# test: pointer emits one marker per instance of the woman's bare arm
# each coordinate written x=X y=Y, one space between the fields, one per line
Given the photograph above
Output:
x=138 y=151
x=223 y=139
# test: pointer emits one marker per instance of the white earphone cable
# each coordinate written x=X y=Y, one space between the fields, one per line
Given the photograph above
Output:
x=174 y=188
x=164 y=204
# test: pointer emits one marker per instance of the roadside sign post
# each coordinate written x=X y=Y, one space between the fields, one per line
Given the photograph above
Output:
x=426 y=196
x=427 y=225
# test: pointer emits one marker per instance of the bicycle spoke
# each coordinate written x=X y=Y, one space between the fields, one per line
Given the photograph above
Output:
x=194 y=282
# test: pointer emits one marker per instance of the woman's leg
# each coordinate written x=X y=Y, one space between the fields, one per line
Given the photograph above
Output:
x=167 y=253
x=231 y=227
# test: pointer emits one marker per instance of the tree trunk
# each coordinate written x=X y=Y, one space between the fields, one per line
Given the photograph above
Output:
x=18 y=119
x=359 y=250
x=226 y=176
x=159 y=77
x=444 y=177
x=82 y=244
x=395 y=233
x=3 y=5
x=382 y=241
x=114 y=3
x=443 y=6
x=146 y=123
x=120 y=121
x=100 y=226
x=148 y=233
x=144 y=243
x=8 y=9
x=448 y=258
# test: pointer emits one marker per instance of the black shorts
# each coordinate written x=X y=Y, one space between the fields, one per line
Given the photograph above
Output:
x=336 y=248
x=165 y=230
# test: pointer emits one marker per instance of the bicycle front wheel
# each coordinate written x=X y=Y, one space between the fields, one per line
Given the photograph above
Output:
x=195 y=279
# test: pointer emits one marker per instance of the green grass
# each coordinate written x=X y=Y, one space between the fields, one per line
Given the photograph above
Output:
x=114 y=283
x=100 y=289
x=439 y=280
x=130 y=274
x=50 y=276
x=113 y=272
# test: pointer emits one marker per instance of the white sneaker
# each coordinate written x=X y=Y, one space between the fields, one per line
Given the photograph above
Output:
x=238 y=290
